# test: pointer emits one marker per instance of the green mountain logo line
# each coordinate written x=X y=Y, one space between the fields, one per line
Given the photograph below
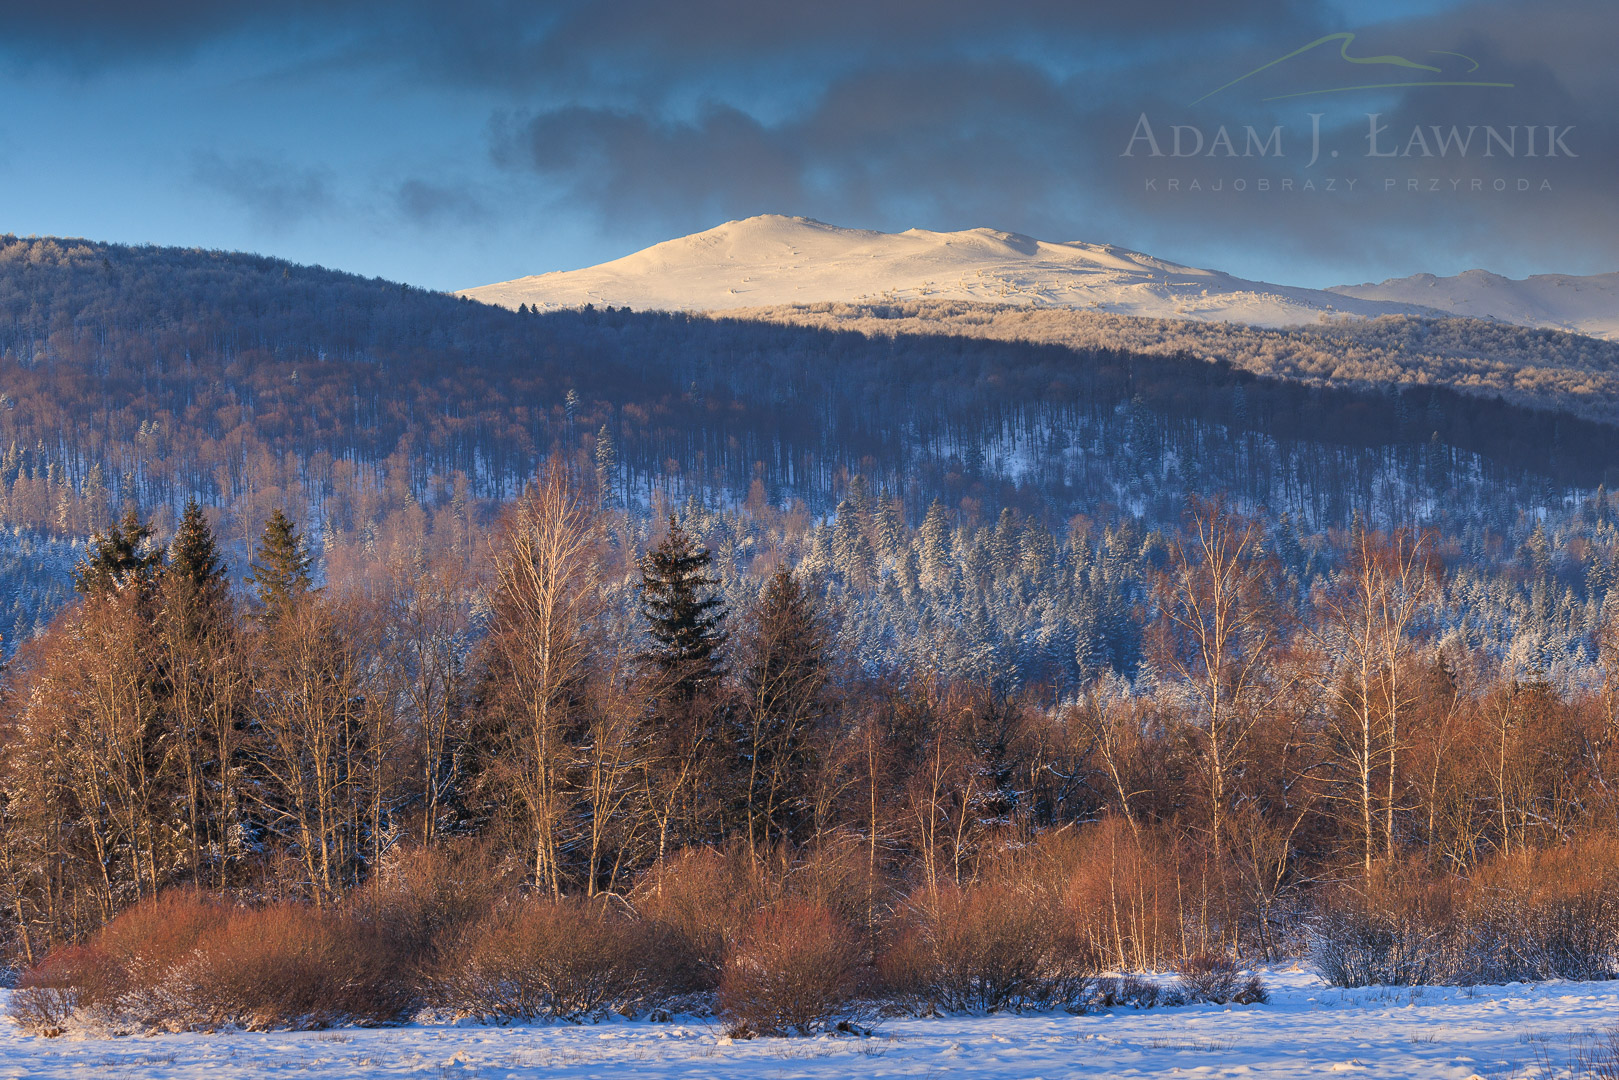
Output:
x=1438 y=76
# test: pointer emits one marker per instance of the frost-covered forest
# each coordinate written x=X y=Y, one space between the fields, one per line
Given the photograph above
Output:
x=376 y=650
x=143 y=376
x=1548 y=369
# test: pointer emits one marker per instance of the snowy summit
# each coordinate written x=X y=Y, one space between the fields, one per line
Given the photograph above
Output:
x=769 y=260
x=773 y=260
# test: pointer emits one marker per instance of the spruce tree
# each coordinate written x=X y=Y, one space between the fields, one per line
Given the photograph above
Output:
x=684 y=617
x=606 y=468
x=193 y=556
x=281 y=569
x=195 y=589
x=784 y=679
x=116 y=559
x=933 y=544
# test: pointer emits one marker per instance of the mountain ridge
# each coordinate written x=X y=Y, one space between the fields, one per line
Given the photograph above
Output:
x=773 y=260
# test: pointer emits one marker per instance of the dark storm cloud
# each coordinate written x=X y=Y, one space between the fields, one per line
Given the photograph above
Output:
x=549 y=42
x=426 y=203
x=943 y=135
x=93 y=33
x=966 y=132
x=657 y=117
x=276 y=194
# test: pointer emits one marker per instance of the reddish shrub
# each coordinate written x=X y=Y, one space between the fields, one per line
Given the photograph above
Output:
x=988 y=949
x=1548 y=914
x=572 y=960
x=1396 y=928
x=426 y=897
x=187 y=962
x=292 y=966
x=794 y=970
x=71 y=981
x=1534 y=915
x=702 y=899
x=1123 y=892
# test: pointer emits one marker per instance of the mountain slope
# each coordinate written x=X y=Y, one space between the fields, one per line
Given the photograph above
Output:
x=771 y=260
x=1583 y=305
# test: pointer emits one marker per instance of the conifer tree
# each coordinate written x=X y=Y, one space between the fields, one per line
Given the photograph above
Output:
x=685 y=620
x=116 y=559
x=281 y=569
x=890 y=529
x=203 y=684
x=784 y=675
x=933 y=554
x=606 y=465
x=194 y=561
x=684 y=617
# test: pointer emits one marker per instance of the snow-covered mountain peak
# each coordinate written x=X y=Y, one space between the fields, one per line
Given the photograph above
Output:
x=774 y=260
x=1583 y=305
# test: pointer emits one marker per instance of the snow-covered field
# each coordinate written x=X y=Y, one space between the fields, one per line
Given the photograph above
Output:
x=1308 y=1029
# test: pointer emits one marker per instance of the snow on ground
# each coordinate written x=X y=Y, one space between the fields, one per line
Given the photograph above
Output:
x=1583 y=305
x=771 y=259
x=1308 y=1030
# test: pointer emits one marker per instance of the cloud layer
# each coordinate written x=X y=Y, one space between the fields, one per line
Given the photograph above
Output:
x=644 y=119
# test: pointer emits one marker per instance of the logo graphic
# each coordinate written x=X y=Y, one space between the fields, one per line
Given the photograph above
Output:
x=1435 y=74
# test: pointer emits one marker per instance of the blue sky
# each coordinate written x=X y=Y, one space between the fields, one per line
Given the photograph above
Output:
x=456 y=145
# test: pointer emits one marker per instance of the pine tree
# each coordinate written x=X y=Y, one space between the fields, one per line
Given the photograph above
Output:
x=783 y=679
x=933 y=554
x=116 y=559
x=684 y=617
x=193 y=556
x=281 y=570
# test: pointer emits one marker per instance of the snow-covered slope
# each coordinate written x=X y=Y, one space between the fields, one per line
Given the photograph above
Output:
x=1583 y=305
x=771 y=260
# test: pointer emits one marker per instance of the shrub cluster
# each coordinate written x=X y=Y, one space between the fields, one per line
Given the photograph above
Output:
x=988 y=949
x=776 y=945
x=191 y=962
x=1550 y=914
x=569 y=959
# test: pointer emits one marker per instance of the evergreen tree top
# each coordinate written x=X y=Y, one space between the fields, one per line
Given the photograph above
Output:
x=685 y=618
x=281 y=568
x=116 y=558
x=193 y=555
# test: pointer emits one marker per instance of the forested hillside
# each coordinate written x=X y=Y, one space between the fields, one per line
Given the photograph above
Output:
x=143 y=376
x=1549 y=369
x=325 y=589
